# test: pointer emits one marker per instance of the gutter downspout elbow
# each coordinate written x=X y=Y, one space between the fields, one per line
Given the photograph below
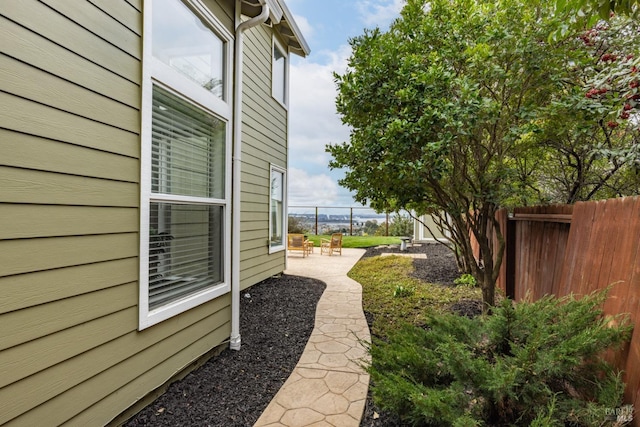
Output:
x=235 y=339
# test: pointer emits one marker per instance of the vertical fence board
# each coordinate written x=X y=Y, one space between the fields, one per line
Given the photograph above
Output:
x=503 y=217
x=625 y=295
x=600 y=244
x=561 y=235
x=579 y=237
x=534 y=253
x=522 y=266
x=549 y=249
x=558 y=239
x=625 y=235
x=509 y=278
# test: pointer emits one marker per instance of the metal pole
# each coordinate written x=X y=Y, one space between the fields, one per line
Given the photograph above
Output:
x=316 y=220
x=351 y=223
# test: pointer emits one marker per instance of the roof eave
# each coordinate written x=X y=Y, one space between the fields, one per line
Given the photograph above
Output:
x=283 y=22
x=289 y=30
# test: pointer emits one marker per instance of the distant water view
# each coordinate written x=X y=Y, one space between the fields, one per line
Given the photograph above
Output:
x=347 y=220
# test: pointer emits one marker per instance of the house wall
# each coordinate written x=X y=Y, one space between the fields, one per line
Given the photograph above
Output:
x=422 y=234
x=70 y=351
x=264 y=133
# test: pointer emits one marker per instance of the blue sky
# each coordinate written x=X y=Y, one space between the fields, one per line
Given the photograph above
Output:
x=327 y=26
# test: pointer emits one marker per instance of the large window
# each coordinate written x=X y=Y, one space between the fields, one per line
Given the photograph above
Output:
x=185 y=238
x=185 y=161
x=182 y=41
x=279 y=78
x=277 y=211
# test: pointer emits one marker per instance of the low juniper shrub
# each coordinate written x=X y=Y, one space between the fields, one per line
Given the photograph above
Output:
x=530 y=363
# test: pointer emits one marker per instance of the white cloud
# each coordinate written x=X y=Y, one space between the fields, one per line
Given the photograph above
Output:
x=379 y=13
x=314 y=120
x=305 y=26
x=311 y=190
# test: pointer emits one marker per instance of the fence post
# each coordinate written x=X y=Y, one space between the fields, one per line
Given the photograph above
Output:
x=510 y=259
x=351 y=222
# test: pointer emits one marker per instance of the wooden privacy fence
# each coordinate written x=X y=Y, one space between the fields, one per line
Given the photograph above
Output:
x=578 y=249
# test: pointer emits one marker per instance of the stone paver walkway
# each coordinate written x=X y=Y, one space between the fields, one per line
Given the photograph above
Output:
x=328 y=387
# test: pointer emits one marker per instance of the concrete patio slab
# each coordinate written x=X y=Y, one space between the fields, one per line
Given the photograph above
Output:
x=328 y=386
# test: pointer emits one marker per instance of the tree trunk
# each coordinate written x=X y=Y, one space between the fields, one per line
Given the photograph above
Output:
x=487 y=267
x=488 y=294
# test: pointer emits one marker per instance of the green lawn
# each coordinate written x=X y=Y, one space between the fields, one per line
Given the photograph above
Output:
x=358 y=241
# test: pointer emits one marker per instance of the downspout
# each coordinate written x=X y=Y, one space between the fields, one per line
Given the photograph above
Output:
x=237 y=165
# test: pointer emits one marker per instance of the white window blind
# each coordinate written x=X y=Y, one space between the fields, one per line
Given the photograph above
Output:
x=188 y=149
x=185 y=251
x=185 y=238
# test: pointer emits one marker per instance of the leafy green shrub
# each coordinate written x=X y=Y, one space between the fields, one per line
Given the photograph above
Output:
x=466 y=280
x=402 y=225
x=526 y=364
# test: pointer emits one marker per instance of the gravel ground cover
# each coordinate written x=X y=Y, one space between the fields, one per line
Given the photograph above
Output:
x=277 y=317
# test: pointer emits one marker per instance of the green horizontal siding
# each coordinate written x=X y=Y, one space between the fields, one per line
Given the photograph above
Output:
x=264 y=143
x=112 y=356
x=60 y=94
x=99 y=22
x=31 y=186
x=70 y=98
x=53 y=25
x=38 y=288
x=41 y=154
x=40 y=52
x=120 y=11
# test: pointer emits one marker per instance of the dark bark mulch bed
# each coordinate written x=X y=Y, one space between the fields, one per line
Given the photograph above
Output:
x=439 y=266
x=234 y=388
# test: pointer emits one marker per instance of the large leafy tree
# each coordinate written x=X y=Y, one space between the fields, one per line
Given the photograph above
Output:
x=464 y=107
x=583 y=155
x=590 y=130
x=581 y=12
x=437 y=106
x=610 y=29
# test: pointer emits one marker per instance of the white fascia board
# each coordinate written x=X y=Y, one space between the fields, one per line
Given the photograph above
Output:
x=275 y=11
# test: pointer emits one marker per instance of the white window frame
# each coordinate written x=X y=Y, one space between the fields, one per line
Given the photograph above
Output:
x=155 y=72
x=280 y=47
x=277 y=169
